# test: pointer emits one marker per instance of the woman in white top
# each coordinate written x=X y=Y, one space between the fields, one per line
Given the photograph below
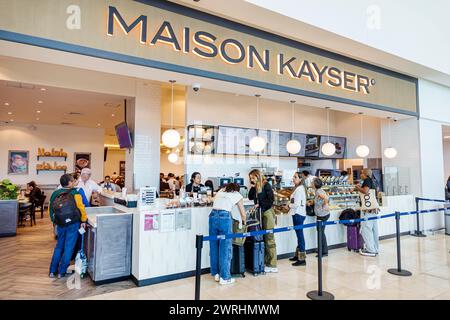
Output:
x=220 y=223
x=297 y=208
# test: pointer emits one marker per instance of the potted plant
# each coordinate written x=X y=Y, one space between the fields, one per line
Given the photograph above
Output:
x=9 y=208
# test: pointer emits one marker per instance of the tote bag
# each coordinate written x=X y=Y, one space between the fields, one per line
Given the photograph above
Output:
x=368 y=200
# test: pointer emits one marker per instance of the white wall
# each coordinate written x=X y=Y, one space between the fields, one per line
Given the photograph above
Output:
x=411 y=29
x=434 y=101
x=71 y=139
x=446 y=148
x=112 y=163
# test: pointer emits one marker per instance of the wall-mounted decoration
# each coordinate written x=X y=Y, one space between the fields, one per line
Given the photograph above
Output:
x=18 y=161
x=122 y=168
x=82 y=160
x=54 y=153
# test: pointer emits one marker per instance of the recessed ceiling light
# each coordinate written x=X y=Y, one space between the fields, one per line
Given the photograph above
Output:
x=43 y=89
x=37 y=119
x=38 y=111
x=6 y=104
x=40 y=102
x=98 y=124
x=113 y=115
x=10 y=113
x=12 y=120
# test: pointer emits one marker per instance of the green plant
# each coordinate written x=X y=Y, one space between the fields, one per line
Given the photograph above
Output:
x=8 y=191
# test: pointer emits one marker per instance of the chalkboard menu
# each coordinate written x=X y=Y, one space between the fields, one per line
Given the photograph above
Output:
x=339 y=143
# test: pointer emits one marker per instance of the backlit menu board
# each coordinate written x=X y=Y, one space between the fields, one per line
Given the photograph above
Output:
x=232 y=140
x=339 y=143
x=312 y=145
x=300 y=137
x=277 y=143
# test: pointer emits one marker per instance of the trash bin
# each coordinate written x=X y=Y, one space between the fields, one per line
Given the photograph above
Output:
x=447 y=220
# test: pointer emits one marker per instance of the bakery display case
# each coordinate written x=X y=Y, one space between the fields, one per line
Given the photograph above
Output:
x=201 y=139
x=341 y=194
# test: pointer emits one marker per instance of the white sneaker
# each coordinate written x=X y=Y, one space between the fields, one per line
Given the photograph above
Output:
x=270 y=269
x=217 y=278
x=225 y=282
x=367 y=253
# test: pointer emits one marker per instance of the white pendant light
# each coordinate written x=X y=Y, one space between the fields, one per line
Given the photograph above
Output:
x=362 y=150
x=173 y=157
x=293 y=146
x=257 y=143
x=171 y=138
x=390 y=152
x=328 y=148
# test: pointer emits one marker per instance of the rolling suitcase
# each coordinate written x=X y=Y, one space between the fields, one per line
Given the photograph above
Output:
x=254 y=256
x=354 y=238
x=238 y=260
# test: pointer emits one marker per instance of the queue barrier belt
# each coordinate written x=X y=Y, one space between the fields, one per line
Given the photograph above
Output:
x=311 y=225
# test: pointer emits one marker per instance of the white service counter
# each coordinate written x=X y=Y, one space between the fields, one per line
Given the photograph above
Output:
x=163 y=256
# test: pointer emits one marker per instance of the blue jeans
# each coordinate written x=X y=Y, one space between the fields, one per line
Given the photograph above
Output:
x=369 y=232
x=298 y=220
x=220 y=223
x=67 y=239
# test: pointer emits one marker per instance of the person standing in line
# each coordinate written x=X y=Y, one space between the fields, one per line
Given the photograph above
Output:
x=264 y=202
x=220 y=223
x=369 y=228
x=67 y=211
x=447 y=189
x=321 y=210
x=308 y=178
x=297 y=208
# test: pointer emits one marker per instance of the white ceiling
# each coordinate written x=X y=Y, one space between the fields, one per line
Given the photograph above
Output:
x=59 y=106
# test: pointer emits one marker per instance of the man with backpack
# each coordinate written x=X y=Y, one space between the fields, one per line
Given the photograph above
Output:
x=67 y=211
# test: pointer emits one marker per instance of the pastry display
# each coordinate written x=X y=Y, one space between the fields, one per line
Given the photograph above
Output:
x=53 y=153
x=50 y=167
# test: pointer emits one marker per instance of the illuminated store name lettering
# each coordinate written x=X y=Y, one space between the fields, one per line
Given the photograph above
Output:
x=206 y=45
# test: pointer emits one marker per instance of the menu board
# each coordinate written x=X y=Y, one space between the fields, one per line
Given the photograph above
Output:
x=234 y=140
x=300 y=137
x=312 y=145
x=278 y=142
x=167 y=221
x=339 y=143
x=183 y=219
x=266 y=136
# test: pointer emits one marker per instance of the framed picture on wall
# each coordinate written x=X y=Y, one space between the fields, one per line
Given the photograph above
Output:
x=122 y=168
x=81 y=160
x=18 y=161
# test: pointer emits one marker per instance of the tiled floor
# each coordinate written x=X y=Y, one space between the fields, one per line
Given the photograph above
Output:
x=345 y=274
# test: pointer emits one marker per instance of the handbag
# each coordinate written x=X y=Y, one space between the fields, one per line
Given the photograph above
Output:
x=310 y=210
x=236 y=229
x=368 y=200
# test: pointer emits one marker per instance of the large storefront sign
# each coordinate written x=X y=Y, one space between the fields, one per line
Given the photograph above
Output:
x=168 y=36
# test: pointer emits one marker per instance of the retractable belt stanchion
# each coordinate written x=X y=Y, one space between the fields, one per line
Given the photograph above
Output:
x=417 y=232
x=198 y=265
x=398 y=271
x=319 y=294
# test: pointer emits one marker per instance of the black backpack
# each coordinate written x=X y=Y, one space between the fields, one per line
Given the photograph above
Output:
x=65 y=209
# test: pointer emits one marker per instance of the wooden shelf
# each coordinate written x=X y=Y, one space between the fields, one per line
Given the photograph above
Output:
x=52 y=170
x=60 y=157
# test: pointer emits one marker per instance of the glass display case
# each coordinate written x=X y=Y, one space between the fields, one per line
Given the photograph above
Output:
x=201 y=139
x=341 y=194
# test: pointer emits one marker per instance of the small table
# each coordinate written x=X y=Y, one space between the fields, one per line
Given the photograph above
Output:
x=25 y=206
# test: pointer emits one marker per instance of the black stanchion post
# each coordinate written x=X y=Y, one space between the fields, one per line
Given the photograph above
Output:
x=198 y=265
x=398 y=271
x=418 y=233
x=319 y=294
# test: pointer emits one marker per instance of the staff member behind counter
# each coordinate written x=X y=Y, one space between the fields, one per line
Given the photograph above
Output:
x=195 y=184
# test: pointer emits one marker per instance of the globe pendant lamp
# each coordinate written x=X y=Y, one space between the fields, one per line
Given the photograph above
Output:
x=171 y=137
x=362 y=150
x=328 y=149
x=173 y=157
x=257 y=143
x=293 y=146
x=390 y=152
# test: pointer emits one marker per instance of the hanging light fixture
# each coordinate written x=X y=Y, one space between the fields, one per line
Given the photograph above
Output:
x=171 y=137
x=390 y=152
x=257 y=143
x=362 y=150
x=328 y=148
x=173 y=157
x=293 y=146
